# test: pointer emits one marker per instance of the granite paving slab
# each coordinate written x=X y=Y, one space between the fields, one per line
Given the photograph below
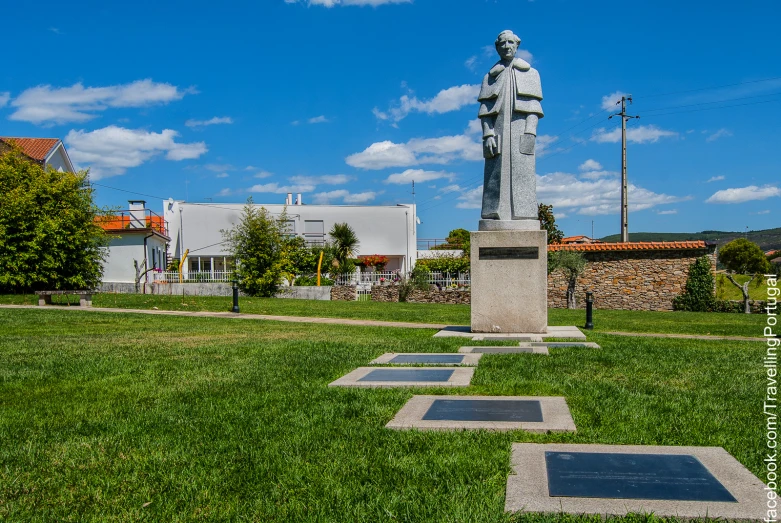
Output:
x=561 y=332
x=426 y=358
x=472 y=349
x=668 y=481
x=406 y=377
x=530 y=413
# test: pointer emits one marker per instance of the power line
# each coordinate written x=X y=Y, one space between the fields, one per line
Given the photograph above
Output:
x=709 y=88
x=710 y=103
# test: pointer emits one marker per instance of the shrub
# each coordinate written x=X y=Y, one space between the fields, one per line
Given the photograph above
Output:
x=311 y=281
x=417 y=279
x=698 y=294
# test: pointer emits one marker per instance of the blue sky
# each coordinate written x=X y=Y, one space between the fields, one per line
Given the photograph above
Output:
x=348 y=103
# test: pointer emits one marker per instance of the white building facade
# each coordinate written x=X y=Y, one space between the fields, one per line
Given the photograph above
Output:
x=197 y=228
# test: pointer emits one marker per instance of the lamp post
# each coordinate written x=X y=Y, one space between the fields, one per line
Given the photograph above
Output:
x=589 y=311
x=235 y=296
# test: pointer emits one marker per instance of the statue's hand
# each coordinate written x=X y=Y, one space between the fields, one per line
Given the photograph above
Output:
x=527 y=143
x=490 y=148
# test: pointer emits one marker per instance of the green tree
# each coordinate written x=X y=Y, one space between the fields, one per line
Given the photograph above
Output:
x=345 y=246
x=50 y=237
x=456 y=239
x=742 y=256
x=573 y=264
x=548 y=222
x=258 y=244
x=698 y=294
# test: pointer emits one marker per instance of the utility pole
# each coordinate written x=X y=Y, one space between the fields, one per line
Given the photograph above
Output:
x=624 y=202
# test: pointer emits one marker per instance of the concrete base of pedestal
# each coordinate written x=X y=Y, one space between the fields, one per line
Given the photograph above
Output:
x=509 y=281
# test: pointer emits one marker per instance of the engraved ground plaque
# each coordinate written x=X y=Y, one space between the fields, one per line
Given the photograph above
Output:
x=424 y=375
x=616 y=480
x=428 y=358
x=484 y=410
x=632 y=476
x=530 y=413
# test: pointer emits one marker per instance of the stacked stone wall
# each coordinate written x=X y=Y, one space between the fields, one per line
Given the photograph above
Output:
x=628 y=280
x=344 y=293
x=437 y=296
x=385 y=293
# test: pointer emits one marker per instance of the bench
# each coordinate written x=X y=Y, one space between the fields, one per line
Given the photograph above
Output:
x=45 y=297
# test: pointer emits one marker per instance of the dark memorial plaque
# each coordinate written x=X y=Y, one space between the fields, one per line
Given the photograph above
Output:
x=428 y=358
x=508 y=253
x=502 y=350
x=421 y=375
x=484 y=410
x=669 y=477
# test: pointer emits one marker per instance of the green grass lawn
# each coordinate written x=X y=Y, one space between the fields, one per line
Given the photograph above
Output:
x=722 y=324
x=113 y=417
x=725 y=290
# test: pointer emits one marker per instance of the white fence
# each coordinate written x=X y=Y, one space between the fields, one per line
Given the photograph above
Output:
x=441 y=280
x=195 y=277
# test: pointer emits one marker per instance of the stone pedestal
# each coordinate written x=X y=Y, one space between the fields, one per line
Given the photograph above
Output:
x=509 y=281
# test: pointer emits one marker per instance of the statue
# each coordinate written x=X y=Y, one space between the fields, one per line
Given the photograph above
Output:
x=509 y=110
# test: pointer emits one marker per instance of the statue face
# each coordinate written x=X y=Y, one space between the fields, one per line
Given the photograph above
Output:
x=506 y=48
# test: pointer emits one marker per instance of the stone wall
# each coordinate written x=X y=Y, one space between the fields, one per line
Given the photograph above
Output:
x=385 y=293
x=322 y=293
x=437 y=296
x=628 y=280
x=344 y=293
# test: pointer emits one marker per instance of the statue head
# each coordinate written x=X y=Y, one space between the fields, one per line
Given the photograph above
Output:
x=507 y=44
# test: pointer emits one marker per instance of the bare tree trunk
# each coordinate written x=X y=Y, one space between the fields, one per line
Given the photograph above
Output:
x=571 y=293
x=744 y=289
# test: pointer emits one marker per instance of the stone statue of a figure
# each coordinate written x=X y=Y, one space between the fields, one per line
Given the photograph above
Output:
x=509 y=110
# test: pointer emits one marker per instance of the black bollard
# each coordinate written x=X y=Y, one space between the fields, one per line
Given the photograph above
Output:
x=235 y=296
x=589 y=311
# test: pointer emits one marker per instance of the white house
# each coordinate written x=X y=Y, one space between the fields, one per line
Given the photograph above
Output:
x=135 y=234
x=388 y=230
x=45 y=151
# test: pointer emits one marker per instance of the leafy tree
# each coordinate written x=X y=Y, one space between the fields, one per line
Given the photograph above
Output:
x=445 y=264
x=698 y=294
x=258 y=243
x=573 y=264
x=345 y=246
x=548 y=222
x=742 y=256
x=456 y=239
x=50 y=237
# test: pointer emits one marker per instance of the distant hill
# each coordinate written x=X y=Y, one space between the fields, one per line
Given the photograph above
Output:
x=767 y=239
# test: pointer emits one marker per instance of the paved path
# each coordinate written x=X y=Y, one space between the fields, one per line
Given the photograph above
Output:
x=346 y=321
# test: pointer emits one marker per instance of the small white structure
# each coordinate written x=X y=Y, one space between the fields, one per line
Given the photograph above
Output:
x=385 y=230
x=48 y=152
x=136 y=234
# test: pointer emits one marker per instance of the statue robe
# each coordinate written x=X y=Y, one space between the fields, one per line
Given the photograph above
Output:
x=509 y=108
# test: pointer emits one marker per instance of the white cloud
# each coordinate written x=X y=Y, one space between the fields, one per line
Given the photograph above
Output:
x=638 y=134
x=447 y=100
x=744 y=194
x=715 y=179
x=449 y=188
x=218 y=167
x=295 y=122
x=417 y=151
x=225 y=192
x=418 y=176
x=78 y=103
x=318 y=119
x=525 y=55
x=766 y=211
x=345 y=3
x=262 y=174
x=595 y=197
x=112 y=150
x=544 y=141
x=4 y=97
x=475 y=127
x=325 y=198
x=326 y=179
x=671 y=211
x=212 y=121
x=222 y=175
x=721 y=133
x=471 y=199
x=277 y=189
x=610 y=101
x=470 y=63
x=590 y=165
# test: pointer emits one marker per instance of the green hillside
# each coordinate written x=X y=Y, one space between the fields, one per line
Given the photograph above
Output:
x=767 y=239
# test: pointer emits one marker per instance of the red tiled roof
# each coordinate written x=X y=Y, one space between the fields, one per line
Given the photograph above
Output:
x=629 y=246
x=572 y=238
x=35 y=148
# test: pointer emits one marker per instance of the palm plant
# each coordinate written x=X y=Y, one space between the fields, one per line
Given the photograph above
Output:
x=345 y=243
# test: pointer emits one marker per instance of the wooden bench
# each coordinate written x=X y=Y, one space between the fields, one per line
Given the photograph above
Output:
x=45 y=297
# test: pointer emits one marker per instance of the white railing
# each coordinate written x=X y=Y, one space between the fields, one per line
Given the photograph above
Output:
x=443 y=281
x=194 y=277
